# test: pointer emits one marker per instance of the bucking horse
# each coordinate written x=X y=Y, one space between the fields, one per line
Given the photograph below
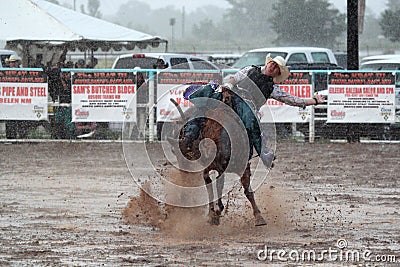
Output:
x=213 y=130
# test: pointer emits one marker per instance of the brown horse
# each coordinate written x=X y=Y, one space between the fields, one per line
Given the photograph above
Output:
x=215 y=132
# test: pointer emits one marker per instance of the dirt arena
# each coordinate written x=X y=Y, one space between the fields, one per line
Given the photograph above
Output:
x=76 y=204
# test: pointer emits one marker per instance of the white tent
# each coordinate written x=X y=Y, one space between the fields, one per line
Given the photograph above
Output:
x=26 y=25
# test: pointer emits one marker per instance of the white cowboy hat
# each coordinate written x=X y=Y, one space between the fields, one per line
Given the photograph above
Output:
x=136 y=68
x=282 y=66
x=13 y=58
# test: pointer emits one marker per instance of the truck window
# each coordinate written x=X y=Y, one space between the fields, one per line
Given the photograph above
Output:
x=297 y=58
x=199 y=64
x=130 y=63
x=179 y=63
x=320 y=57
x=3 y=60
x=256 y=58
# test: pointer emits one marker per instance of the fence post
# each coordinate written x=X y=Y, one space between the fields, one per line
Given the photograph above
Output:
x=311 y=129
x=151 y=106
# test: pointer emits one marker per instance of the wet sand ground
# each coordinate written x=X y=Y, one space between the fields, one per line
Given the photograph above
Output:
x=68 y=204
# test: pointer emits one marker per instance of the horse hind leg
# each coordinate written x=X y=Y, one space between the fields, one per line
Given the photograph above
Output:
x=245 y=180
x=212 y=210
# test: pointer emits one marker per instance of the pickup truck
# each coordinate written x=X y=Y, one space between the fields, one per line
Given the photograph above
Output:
x=292 y=55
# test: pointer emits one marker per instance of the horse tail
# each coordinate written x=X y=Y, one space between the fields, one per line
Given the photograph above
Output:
x=179 y=108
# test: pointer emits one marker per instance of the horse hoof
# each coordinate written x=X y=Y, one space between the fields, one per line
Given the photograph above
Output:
x=214 y=218
x=221 y=208
x=214 y=221
x=260 y=221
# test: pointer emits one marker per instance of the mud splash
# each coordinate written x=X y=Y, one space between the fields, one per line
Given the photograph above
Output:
x=193 y=222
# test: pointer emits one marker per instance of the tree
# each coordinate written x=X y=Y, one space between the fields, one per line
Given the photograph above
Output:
x=371 y=27
x=93 y=7
x=307 y=22
x=390 y=24
x=393 y=4
x=206 y=30
x=250 y=18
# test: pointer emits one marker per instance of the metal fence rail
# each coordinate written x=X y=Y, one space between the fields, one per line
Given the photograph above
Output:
x=313 y=129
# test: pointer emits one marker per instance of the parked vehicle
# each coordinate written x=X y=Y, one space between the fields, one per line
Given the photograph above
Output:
x=171 y=60
x=381 y=64
x=392 y=63
x=341 y=58
x=5 y=54
x=292 y=55
x=379 y=57
x=223 y=60
x=297 y=58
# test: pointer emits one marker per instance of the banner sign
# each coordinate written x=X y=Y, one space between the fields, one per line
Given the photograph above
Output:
x=298 y=84
x=23 y=95
x=172 y=85
x=103 y=97
x=361 y=97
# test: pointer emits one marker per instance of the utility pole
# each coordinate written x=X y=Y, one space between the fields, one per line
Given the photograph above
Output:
x=352 y=34
x=183 y=22
x=172 y=23
x=353 y=134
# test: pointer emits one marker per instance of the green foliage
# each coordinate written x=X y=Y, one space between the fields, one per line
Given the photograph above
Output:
x=307 y=22
x=243 y=26
x=389 y=23
x=246 y=24
x=207 y=30
x=250 y=18
x=393 y=4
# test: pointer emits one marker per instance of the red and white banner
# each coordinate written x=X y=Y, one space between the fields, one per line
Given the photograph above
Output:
x=360 y=97
x=23 y=95
x=103 y=97
x=298 y=84
x=172 y=85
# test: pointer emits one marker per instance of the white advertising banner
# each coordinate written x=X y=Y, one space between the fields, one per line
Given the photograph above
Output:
x=103 y=97
x=298 y=84
x=23 y=95
x=171 y=85
x=361 y=97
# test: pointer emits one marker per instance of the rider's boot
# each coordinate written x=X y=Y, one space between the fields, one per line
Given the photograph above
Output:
x=267 y=158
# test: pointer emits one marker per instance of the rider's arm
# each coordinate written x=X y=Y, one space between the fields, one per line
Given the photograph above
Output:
x=237 y=77
x=292 y=100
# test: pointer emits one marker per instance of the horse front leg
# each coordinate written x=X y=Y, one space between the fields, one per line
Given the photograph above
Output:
x=220 y=187
x=245 y=180
x=214 y=217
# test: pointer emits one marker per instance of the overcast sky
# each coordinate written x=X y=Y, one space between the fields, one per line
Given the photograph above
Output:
x=110 y=7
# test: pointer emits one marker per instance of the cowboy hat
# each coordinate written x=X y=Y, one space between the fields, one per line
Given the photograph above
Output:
x=13 y=58
x=135 y=69
x=282 y=67
x=81 y=62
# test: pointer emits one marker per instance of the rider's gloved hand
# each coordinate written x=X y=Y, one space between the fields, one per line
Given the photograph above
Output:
x=228 y=86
